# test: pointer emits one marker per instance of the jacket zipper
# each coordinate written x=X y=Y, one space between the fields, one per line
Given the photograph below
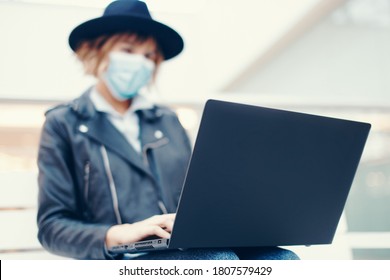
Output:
x=145 y=149
x=114 y=194
x=87 y=168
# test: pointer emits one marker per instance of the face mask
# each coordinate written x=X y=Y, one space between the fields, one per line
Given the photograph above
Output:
x=126 y=74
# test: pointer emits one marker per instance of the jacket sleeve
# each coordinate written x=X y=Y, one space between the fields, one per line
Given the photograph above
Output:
x=61 y=229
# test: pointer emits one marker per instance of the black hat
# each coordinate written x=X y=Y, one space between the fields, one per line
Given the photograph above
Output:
x=128 y=15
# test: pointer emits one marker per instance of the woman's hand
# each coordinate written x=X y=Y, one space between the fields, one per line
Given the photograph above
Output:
x=159 y=225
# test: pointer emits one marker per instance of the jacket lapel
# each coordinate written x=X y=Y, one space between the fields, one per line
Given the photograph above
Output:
x=97 y=126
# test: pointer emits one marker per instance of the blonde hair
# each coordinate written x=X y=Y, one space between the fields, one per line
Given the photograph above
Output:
x=92 y=52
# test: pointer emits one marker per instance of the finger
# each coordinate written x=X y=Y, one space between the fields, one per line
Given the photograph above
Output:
x=159 y=219
x=168 y=217
x=171 y=216
x=153 y=230
x=167 y=225
x=156 y=230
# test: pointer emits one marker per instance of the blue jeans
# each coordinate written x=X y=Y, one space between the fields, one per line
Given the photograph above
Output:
x=258 y=253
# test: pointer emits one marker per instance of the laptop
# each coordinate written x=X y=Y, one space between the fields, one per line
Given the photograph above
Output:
x=263 y=177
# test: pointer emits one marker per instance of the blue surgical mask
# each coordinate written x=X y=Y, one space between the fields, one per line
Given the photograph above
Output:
x=127 y=73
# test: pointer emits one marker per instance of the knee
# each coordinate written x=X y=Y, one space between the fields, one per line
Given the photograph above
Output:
x=288 y=255
x=225 y=255
x=216 y=254
x=282 y=254
x=265 y=253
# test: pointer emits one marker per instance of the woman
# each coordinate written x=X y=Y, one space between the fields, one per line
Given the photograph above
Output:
x=111 y=163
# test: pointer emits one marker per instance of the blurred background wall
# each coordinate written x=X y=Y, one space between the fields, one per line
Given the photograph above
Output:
x=327 y=57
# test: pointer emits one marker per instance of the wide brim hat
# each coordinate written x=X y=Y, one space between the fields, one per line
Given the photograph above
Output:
x=128 y=16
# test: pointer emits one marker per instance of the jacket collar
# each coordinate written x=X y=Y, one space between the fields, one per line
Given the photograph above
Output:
x=139 y=103
x=85 y=109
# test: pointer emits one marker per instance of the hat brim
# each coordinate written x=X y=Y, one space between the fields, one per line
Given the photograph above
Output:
x=169 y=41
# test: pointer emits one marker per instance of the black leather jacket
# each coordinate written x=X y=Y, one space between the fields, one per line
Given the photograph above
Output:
x=90 y=178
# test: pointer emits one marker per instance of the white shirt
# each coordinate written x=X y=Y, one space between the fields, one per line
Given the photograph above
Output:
x=128 y=123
